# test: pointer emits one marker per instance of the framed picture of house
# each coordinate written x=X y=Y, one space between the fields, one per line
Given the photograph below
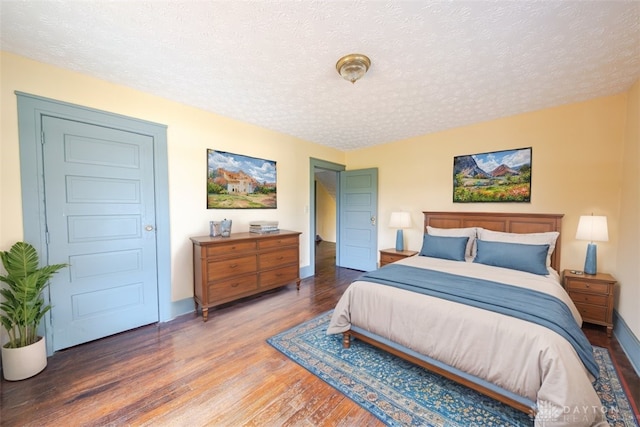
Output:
x=235 y=181
x=497 y=176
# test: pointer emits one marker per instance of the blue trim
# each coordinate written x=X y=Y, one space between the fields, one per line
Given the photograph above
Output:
x=307 y=271
x=471 y=378
x=628 y=341
x=31 y=109
x=181 y=307
x=314 y=163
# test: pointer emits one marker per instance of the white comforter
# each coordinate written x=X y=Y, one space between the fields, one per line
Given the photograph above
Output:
x=522 y=357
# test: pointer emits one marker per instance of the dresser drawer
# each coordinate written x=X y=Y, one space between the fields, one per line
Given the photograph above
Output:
x=388 y=258
x=580 y=297
x=243 y=264
x=231 y=248
x=277 y=277
x=592 y=312
x=592 y=295
x=230 y=288
x=277 y=258
x=278 y=242
x=231 y=267
x=587 y=286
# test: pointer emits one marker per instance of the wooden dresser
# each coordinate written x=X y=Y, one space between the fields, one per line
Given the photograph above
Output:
x=593 y=296
x=228 y=268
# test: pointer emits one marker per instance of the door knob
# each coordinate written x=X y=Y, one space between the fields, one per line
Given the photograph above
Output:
x=373 y=220
x=149 y=228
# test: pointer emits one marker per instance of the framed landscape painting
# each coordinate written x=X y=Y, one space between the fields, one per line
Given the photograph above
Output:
x=498 y=176
x=235 y=181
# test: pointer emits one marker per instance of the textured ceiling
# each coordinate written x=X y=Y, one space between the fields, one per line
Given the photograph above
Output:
x=435 y=65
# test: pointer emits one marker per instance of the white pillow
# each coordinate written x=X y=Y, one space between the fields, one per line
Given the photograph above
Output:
x=548 y=238
x=457 y=232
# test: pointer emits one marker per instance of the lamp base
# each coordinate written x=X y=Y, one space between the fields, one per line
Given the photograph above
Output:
x=399 y=241
x=590 y=263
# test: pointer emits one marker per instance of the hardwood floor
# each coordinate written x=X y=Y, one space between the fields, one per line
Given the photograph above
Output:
x=222 y=372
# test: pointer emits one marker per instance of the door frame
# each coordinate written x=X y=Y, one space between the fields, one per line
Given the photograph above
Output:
x=31 y=109
x=321 y=164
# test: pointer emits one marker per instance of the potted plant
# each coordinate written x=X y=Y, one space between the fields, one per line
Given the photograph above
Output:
x=22 y=310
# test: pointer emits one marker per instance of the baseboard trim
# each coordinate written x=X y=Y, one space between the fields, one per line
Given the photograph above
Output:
x=306 y=272
x=180 y=307
x=628 y=341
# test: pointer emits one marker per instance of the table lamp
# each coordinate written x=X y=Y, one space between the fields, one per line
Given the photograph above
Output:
x=594 y=229
x=400 y=220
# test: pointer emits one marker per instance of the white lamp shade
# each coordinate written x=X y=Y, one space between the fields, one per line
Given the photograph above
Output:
x=400 y=220
x=593 y=228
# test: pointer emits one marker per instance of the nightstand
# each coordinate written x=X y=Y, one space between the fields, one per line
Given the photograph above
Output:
x=387 y=256
x=593 y=296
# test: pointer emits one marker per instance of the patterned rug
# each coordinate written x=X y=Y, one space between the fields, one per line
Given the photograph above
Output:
x=400 y=393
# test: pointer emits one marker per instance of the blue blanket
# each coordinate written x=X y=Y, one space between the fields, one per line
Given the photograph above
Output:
x=522 y=303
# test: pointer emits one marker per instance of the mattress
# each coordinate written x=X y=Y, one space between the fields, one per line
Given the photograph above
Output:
x=516 y=355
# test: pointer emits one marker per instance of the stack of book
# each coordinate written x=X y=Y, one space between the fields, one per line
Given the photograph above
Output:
x=263 y=227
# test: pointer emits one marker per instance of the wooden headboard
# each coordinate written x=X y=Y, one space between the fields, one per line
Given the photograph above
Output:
x=506 y=222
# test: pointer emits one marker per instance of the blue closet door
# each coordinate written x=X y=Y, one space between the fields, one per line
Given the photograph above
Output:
x=100 y=218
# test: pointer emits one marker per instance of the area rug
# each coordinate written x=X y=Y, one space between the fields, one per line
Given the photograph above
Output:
x=400 y=393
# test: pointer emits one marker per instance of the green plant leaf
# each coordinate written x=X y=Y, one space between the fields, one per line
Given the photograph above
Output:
x=23 y=307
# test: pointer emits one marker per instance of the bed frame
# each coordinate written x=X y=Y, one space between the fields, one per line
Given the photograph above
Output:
x=506 y=222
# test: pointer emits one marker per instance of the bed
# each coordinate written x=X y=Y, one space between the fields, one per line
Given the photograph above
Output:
x=545 y=369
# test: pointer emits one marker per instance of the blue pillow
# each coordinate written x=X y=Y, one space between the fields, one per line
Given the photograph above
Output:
x=516 y=256
x=452 y=248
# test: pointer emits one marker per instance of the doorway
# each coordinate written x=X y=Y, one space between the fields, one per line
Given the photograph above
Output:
x=324 y=219
x=41 y=118
x=355 y=213
x=326 y=216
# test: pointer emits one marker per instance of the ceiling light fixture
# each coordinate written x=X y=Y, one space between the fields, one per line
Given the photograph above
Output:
x=353 y=66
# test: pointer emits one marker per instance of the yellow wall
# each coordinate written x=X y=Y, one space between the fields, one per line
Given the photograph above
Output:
x=326 y=214
x=585 y=159
x=190 y=132
x=576 y=153
x=576 y=170
x=628 y=268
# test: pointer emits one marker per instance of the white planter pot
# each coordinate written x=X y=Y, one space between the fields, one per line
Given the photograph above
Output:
x=24 y=362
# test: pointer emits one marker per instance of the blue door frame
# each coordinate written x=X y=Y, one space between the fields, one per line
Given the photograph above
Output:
x=31 y=110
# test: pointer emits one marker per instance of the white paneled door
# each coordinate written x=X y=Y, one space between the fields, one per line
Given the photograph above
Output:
x=100 y=218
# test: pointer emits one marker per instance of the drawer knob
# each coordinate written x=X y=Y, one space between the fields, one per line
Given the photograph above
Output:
x=587 y=285
x=233 y=265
